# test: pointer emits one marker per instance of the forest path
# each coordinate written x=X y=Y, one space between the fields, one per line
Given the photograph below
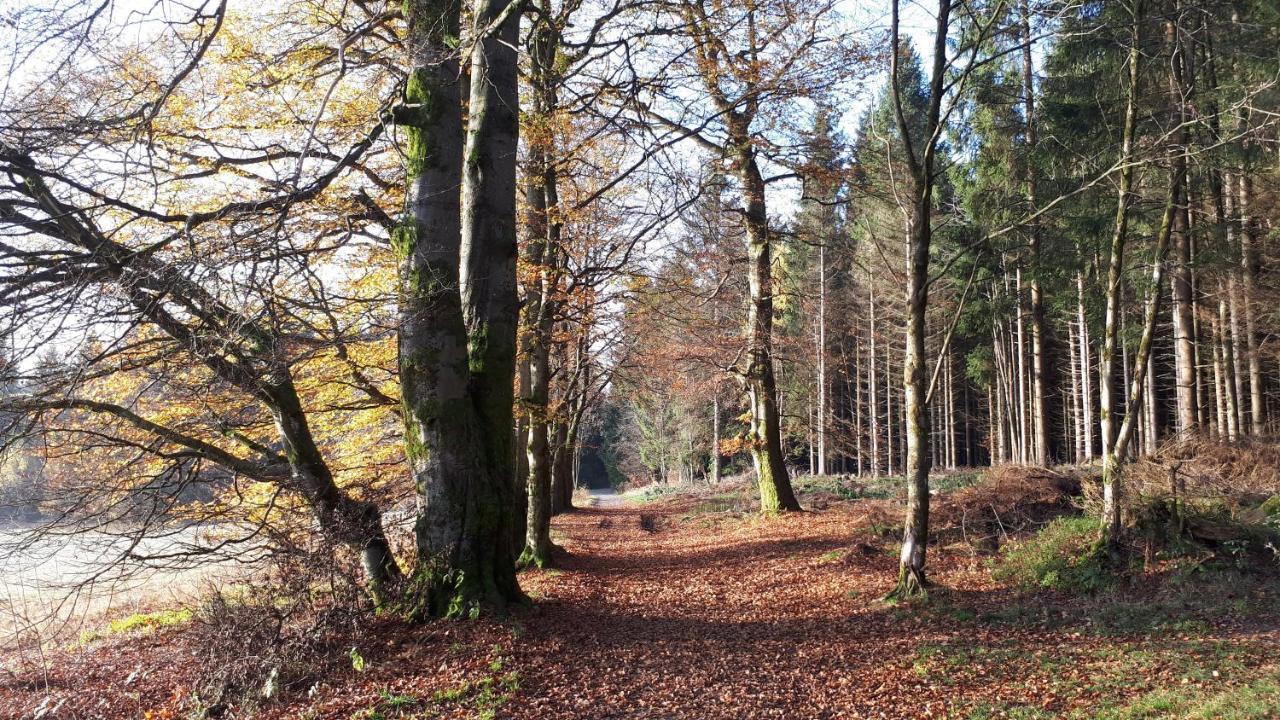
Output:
x=681 y=609
x=661 y=611
x=605 y=497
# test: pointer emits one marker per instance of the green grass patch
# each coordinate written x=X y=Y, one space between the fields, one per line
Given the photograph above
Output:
x=1259 y=698
x=1064 y=555
x=138 y=623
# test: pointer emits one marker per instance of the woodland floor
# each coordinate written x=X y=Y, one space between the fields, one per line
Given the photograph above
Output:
x=691 y=607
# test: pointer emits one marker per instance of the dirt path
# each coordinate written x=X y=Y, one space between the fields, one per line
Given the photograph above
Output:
x=663 y=614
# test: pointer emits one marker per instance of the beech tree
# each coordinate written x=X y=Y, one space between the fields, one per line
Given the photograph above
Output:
x=747 y=64
x=458 y=310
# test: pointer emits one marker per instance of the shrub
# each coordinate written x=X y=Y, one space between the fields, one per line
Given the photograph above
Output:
x=1064 y=555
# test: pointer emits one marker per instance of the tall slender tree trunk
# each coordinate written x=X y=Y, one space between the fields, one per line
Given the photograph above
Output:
x=1229 y=384
x=915 y=535
x=873 y=407
x=1086 y=368
x=715 y=434
x=915 y=538
x=890 y=419
x=1077 y=398
x=1184 y=338
x=1237 y=353
x=1248 y=280
x=1025 y=401
x=859 y=427
x=1112 y=460
x=1038 y=384
x=1220 y=384
x=544 y=230
x=1111 y=520
x=774 y=483
x=823 y=391
x=1152 y=422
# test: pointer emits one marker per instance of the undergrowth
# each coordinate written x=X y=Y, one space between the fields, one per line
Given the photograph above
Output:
x=1062 y=556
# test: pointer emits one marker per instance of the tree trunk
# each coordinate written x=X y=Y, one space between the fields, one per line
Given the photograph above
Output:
x=1236 y=340
x=890 y=420
x=1025 y=401
x=1248 y=277
x=1111 y=462
x=915 y=537
x=776 y=494
x=562 y=468
x=1111 y=521
x=915 y=534
x=355 y=523
x=715 y=434
x=1077 y=414
x=1184 y=338
x=1038 y=388
x=1086 y=367
x=543 y=254
x=873 y=407
x=457 y=340
x=822 y=409
x=858 y=425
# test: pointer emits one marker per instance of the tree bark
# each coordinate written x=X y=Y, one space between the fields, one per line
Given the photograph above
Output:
x=774 y=483
x=1184 y=337
x=1111 y=521
x=458 y=311
x=1248 y=277
x=822 y=410
x=915 y=535
x=873 y=407
x=1086 y=367
x=1039 y=391
x=543 y=254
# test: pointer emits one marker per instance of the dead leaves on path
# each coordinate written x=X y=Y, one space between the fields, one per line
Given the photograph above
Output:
x=672 y=612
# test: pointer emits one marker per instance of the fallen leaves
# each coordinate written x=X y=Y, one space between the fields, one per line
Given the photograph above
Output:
x=698 y=615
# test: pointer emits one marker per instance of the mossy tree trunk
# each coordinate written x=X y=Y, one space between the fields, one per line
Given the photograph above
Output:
x=490 y=305
x=544 y=230
x=774 y=483
x=458 y=316
x=920 y=152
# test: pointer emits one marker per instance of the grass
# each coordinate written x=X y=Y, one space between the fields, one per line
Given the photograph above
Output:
x=848 y=487
x=1254 y=700
x=1062 y=556
x=389 y=705
x=1166 y=675
x=138 y=623
x=830 y=557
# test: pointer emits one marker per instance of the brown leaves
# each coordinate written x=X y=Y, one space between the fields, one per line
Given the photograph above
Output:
x=709 y=614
